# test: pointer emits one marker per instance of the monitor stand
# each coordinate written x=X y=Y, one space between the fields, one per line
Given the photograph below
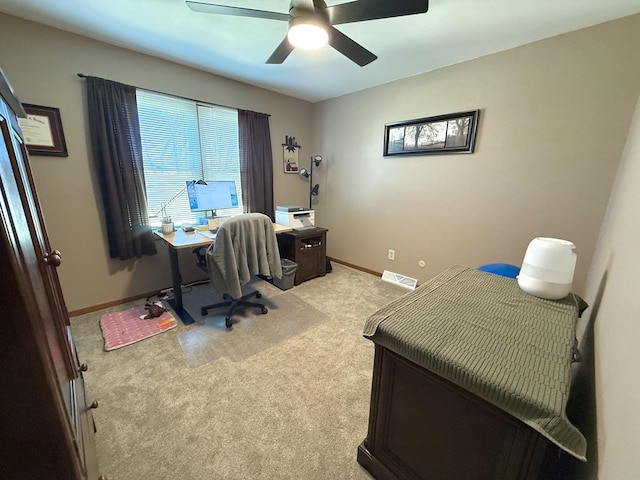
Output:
x=213 y=221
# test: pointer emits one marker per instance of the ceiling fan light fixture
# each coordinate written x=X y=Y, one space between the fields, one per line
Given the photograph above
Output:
x=307 y=33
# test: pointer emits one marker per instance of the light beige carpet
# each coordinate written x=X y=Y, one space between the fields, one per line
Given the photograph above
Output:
x=296 y=409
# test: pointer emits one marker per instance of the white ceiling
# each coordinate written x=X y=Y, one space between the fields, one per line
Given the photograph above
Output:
x=451 y=31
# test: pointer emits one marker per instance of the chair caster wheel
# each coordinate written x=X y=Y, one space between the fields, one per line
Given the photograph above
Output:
x=258 y=295
x=227 y=321
x=203 y=311
x=264 y=310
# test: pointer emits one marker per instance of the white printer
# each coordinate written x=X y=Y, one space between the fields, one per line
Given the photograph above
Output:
x=295 y=217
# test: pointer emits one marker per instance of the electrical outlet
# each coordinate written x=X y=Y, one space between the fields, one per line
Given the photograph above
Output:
x=391 y=255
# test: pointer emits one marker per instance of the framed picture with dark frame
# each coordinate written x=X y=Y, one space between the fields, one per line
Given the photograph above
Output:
x=42 y=131
x=442 y=134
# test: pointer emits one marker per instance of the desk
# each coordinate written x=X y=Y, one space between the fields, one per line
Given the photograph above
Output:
x=180 y=239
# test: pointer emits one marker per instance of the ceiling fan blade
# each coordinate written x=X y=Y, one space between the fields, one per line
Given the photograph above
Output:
x=349 y=48
x=281 y=52
x=374 y=10
x=235 y=11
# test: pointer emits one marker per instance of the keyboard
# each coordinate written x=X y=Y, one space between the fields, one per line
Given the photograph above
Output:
x=208 y=233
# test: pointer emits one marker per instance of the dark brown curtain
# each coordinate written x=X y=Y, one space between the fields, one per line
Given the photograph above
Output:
x=256 y=162
x=117 y=154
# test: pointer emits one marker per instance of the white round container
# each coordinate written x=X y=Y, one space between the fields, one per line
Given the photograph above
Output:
x=548 y=268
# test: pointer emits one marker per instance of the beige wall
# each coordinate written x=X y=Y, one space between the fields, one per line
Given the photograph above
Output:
x=42 y=63
x=612 y=287
x=554 y=118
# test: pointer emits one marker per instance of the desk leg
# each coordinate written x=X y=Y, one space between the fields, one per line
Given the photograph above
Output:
x=176 y=301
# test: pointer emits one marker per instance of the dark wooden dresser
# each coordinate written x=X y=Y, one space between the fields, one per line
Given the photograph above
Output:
x=46 y=415
x=470 y=382
x=308 y=249
x=423 y=427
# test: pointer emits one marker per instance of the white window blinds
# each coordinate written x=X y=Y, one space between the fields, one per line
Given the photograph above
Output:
x=183 y=140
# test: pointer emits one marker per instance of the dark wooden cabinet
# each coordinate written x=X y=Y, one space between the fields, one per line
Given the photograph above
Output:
x=46 y=416
x=308 y=249
x=423 y=427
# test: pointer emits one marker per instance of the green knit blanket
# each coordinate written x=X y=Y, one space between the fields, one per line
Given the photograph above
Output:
x=483 y=333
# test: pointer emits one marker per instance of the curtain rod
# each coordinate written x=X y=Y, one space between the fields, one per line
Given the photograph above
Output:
x=82 y=75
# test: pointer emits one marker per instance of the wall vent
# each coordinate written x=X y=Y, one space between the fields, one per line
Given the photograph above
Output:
x=400 y=280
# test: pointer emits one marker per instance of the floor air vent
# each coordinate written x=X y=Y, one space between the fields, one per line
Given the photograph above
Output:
x=401 y=280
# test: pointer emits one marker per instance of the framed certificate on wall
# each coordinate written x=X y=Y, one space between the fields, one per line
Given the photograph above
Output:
x=42 y=131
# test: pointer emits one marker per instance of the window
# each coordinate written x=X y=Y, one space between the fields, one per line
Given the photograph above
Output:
x=184 y=140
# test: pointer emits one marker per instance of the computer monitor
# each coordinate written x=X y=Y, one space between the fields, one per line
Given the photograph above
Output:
x=212 y=195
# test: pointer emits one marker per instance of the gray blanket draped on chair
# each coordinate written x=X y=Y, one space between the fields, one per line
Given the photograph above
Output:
x=245 y=245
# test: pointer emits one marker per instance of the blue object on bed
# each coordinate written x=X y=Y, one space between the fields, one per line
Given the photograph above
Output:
x=504 y=269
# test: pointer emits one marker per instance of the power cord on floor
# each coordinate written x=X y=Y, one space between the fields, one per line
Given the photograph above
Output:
x=167 y=294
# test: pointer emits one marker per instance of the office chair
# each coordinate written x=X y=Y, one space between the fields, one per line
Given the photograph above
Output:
x=245 y=245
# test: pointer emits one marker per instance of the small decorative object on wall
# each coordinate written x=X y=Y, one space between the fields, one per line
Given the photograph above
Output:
x=42 y=130
x=451 y=133
x=290 y=154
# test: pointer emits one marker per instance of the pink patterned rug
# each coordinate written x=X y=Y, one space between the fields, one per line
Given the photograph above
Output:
x=120 y=329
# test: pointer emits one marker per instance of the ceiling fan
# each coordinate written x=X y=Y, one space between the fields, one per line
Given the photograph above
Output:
x=311 y=23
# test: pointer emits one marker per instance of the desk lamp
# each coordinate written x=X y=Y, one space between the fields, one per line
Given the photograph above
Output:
x=313 y=189
x=167 y=224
